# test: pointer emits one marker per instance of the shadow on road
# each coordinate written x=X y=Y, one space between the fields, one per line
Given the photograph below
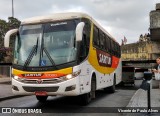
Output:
x=73 y=104
x=72 y=101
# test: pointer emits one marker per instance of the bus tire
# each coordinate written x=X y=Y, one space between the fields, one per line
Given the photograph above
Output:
x=93 y=87
x=112 y=88
x=41 y=98
x=121 y=84
x=86 y=98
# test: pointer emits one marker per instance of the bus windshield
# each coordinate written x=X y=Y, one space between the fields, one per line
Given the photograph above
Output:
x=46 y=44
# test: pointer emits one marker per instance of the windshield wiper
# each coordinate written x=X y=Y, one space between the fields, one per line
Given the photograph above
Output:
x=33 y=51
x=43 y=49
x=36 y=46
x=50 y=58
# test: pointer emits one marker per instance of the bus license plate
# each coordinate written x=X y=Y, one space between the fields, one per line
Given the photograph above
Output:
x=41 y=93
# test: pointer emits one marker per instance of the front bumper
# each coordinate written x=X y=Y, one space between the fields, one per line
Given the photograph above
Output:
x=66 y=88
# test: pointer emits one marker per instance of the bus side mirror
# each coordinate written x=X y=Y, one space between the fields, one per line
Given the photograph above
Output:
x=8 y=35
x=79 y=31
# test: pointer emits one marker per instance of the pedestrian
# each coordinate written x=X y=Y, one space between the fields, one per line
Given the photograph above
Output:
x=156 y=69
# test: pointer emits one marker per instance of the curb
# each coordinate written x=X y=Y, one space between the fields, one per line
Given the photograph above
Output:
x=133 y=97
x=10 y=97
x=5 y=82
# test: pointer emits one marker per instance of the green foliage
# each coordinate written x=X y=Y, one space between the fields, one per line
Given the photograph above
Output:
x=13 y=23
x=4 y=27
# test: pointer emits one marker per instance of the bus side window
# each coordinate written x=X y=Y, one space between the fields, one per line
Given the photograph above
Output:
x=119 y=51
x=83 y=48
x=111 y=49
x=101 y=39
x=84 y=45
x=87 y=30
x=107 y=44
x=96 y=41
x=114 y=48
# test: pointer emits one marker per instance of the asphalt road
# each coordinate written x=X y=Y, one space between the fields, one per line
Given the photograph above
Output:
x=60 y=105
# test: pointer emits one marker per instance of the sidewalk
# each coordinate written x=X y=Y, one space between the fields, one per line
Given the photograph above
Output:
x=5 y=80
x=139 y=101
x=140 y=98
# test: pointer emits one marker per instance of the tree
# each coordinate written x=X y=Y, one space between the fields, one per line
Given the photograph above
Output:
x=13 y=23
x=4 y=27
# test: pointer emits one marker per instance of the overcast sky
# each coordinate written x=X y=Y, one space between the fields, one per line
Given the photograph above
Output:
x=120 y=18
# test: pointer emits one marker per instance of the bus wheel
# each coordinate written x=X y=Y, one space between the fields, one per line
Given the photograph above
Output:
x=86 y=98
x=122 y=83
x=112 y=88
x=41 y=98
x=93 y=88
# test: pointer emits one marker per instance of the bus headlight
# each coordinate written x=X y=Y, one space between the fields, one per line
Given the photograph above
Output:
x=70 y=76
x=75 y=74
x=18 y=78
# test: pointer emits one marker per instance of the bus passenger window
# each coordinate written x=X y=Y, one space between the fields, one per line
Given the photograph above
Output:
x=96 y=41
x=107 y=44
x=83 y=48
x=101 y=39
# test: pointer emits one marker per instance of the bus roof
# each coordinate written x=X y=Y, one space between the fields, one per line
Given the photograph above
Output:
x=62 y=16
x=54 y=17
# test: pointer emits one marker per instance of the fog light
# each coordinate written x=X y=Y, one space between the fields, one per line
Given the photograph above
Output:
x=70 y=88
x=15 y=88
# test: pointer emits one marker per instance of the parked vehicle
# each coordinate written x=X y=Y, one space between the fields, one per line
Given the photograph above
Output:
x=139 y=73
x=128 y=74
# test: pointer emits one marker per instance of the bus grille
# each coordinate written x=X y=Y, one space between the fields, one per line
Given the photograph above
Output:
x=42 y=81
x=34 y=89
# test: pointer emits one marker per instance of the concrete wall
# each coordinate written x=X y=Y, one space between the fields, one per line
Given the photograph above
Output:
x=155 y=19
x=146 y=50
x=155 y=23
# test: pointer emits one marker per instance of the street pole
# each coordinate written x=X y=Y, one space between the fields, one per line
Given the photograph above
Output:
x=12 y=9
x=149 y=98
x=146 y=85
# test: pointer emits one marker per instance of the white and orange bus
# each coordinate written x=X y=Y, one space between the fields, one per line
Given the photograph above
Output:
x=66 y=54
